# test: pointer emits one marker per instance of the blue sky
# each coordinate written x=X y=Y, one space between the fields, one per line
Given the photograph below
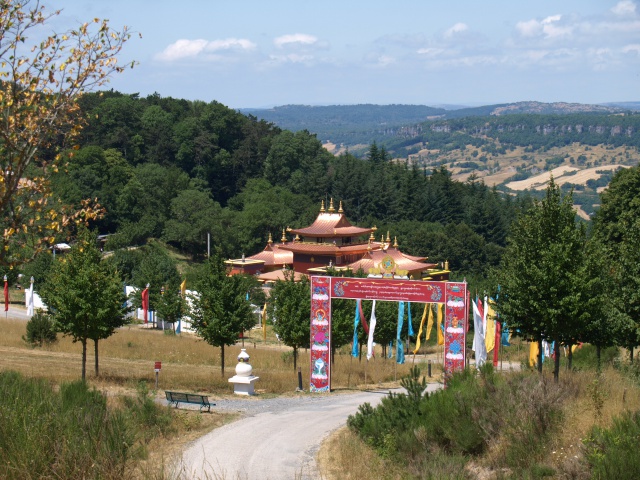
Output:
x=254 y=53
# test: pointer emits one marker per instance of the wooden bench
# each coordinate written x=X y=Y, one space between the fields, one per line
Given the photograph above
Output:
x=179 y=397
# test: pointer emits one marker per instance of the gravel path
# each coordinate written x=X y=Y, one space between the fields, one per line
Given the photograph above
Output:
x=277 y=439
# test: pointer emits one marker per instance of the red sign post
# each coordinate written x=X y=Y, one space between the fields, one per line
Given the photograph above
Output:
x=157 y=367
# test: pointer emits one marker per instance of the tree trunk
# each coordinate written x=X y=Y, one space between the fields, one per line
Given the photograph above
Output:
x=84 y=359
x=556 y=360
x=540 y=355
x=222 y=360
x=631 y=355
x=598 y=357
x=295 y=358
x=95 y=352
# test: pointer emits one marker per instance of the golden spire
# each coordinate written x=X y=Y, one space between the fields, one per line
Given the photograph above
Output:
x=395 y=242
x=340 y=208
x=297 y=239
x=446 y=265
x=388 y=237
x=371 y=237
x=322 y=207
x=331 y=207
x=270 y=241
x=382 y=239
x=284 y=237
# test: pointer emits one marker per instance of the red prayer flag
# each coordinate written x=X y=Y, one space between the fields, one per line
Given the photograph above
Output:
x=362 y=319
x=496 y=348
x=6 y=296
x=145 y=303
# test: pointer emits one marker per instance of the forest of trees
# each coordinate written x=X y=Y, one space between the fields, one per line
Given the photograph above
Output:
x=176 y=170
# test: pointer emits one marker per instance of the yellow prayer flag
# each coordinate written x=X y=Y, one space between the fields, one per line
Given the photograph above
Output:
x=183 y=287
x=440 y=329
x=424 y=315
x=533 y=354
x=264 y=322
x=430 y=322
x=490 y=332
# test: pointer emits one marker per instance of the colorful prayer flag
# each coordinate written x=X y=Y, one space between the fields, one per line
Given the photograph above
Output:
x=6 y=294
x=424 y=316
x=145 y=304
x=478 y=334
x=399 y=344
x=264 y=322
x=533 y=353
x=372 y=327
x=490 y=330
x=440 y=325
x=429 y=323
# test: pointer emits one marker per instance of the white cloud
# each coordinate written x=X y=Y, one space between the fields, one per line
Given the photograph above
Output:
x=182 y=49
x=530 y=28
x=193 y=48
x=625 y=7
x=431 y=52
x=633 y=48
x=229 y=44
x=548 y=27
x=295 y=39
x=385 y=60
x=457 y=28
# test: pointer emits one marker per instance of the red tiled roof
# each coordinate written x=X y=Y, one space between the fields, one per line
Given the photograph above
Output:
x=274 y=254
x=403 y=262
x=331 y=225
x=277 y=275
x=325 y=248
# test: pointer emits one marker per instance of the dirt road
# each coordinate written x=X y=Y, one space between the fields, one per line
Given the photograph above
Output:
x=280 y=442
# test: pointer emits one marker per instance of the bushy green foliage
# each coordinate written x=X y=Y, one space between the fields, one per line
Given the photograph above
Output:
x=520 y=411
x=71 y=433
x=40 y=329
x=613 y=452
x=585 y=357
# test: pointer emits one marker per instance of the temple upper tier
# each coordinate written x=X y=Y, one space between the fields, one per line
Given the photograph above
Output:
x=331 y=241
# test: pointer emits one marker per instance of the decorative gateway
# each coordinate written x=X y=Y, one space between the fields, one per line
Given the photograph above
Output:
x=323 y=289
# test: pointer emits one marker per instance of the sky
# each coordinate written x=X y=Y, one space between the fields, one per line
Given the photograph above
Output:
x=257 y=53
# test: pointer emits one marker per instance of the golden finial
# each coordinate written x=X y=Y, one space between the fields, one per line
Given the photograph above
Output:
x=382 y=239
x=395 y=242
x=322 y=207
x=446 y=264
x=388 y=237
x=371 y=237
x=297 y=239
x=340 y=208
x=270 y=241
x=331 y=208
x=284 y=237
x=374 y=228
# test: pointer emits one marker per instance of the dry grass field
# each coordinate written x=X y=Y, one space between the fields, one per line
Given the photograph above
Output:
x=500 y=167
x=188 y=363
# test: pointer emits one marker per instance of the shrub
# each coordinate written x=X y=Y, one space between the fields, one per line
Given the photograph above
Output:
x=66 y=434
x=613 y=452
x=476 y=412
x=40 y=330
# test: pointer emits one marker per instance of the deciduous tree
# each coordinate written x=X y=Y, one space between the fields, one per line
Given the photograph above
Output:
x=220 y=310
x=41 y=80
x=539 y=272
x=85 y=296
x=290 y=308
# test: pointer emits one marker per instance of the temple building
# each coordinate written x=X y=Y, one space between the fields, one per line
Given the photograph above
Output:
x=331 y=241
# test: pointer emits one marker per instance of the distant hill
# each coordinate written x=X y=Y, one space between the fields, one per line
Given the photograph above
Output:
x=326 y=120
x=357 y=126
